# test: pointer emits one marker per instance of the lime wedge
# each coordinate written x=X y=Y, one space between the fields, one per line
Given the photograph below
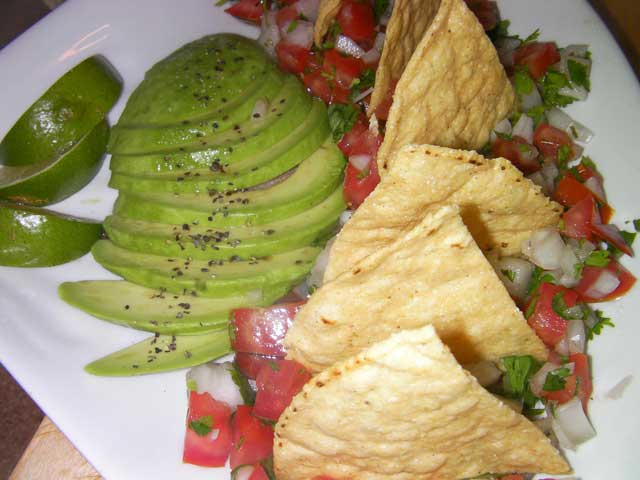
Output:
x=63 y=114
x=34 y=237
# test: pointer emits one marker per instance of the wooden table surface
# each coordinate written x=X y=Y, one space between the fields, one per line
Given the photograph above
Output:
x=51 y=456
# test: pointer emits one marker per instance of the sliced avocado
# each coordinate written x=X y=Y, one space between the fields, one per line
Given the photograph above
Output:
x=156 y=310
x=55 y=179
x=34 y=237
x=238 y=243
x=311 y=183
x=148 y=138
x=287 y=110
x=162 y=353
x=63 y=115
x=207 y=278
x=263 y=167
x=214 y=72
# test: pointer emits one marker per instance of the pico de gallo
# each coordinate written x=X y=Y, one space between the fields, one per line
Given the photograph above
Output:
x=233 y=407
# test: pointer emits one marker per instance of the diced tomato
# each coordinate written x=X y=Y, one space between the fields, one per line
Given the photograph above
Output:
x=549 y=139
x=353 y=137
x=286 y=15
x=611 y=234
x=207 y=449
x=579 y=219
x=261 y=330
x=519 y=152
x=570 y=191
x=249 y=10
x=583 y=373
x=591 y=274
x=344 y=69
x=564 y=395
x=292 y=58
x=258 y=473
x=359 y=184
x=357 y=21
x=537 y=57
x=544 y=320
x=487 y=13
x=382 y=110
x=250 y=364
x=276 y=384
x=252 y=438
x=318 y=85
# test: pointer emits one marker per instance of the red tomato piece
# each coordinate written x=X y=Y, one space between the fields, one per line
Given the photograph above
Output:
x=570 y=191
x=318 y=85
x=591 y=274
x=578 y=220
x=353 y=137
x=250 y=364
x=209 y=449
x=252 y=438
x=564 y=395
x=547 y=324
x=487 y=14
x=344 y=69
x=537 y=57
x=292 y=58
x=258 y=473
x=357 y=21
x=519 y=152
x=382 y=110
x=359 y=184
x=549 y=139
x=249 y=10
x=611 y=234
x=583 y=373
x=261 y=330
x=286 y=15
x=276 y=384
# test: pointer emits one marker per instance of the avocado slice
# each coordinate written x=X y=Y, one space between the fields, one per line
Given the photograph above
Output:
x=206 y=278
x=312 y=182
x=236 y=243
x=162 y=353
x=283 y=156
x=211 y=73
x=156 y=310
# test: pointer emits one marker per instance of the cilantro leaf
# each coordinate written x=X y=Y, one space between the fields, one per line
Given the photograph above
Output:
x=292 y=26
x=564 y=152
x=247 y=393
x=568 y=313
x=363 y=82
x=519 y=369
x=579 y=74
x=510 y=274
x=538 y=277
x=601 y=322
x=192 y=385
x=636 y=224
x=342 y=118
x=379 y=8
x=532 y=38
x=537 y=113
x=556 y=379
x=332 y=33
x=550 y=84
x=202 y=426
x=522 y=82
x=597 y=258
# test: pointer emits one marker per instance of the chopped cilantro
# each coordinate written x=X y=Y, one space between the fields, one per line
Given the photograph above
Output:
x=273 y=365
x=601 y=322
x=500 y=30
x=219 y=3
x=551 y=83
x=267 y=465
x=363 y=174
x=247 y=393
x=636 y=224
x=379 y=8
x=510 y=274
x=588 y=162
x=292 y=26
x=202 y=426
x=538 y=277
x=564 y=152
x=363 y=82
x=628 y=237
x=332 y=33
x=537 y=113
x=192 y=385
x=342 y=118
x=523 y=83
x=579 y=74
x=503 y=136
x=533 y=37
x=519 y=369
x=566 y=312
x=597 y=258
x=556 y=379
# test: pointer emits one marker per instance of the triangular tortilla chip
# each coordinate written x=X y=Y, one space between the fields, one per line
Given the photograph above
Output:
x=434 y=274
x=327 y=12
x=405 y=410
x=452 y=92
x=500 y=207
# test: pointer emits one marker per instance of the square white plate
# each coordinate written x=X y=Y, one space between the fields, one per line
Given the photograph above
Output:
x=132 y=428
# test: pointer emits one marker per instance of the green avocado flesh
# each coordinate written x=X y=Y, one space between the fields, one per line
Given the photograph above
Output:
x=162 y=353
x=229 y=186
x=33 y=237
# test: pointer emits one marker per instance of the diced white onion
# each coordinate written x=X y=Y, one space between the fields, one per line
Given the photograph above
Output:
x=317 y=271
x=576 y=336
x=260 y=109
x=360 y=162
x=581 y=248
x=549 y=171
x=363 y=95
x=616 y=392
x=215 y=379
x=269 y=32
x=544 y=424
x=539 y=180
x=243 y=472
x=378 y=43
x=595 y=186
x=506 y=47
x=544 y=248
x=371 y=56
x=503 y=126
x=524 y=128
x=301 y=291
x=521 y=271
x=485 y=372
x=345 y=217
x=571 y=425
x=345 y=45
x=308 y=8
x=606 y=283
x=576 y=91
x=568 y=262
x=530 y=100
x=576 y=50
x=301 y=35
x=537 y=381
x=386 y=16
x=562 y=347
x=559 y=119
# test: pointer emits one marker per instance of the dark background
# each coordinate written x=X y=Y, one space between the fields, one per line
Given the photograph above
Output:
x=19 y=416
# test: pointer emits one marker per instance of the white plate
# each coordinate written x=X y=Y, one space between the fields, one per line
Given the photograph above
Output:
x=132 y=428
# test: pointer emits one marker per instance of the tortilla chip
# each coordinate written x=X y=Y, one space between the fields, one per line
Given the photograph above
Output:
x=453 y=90
x=404 y=410
x=500 y=207
x=327 y=12
x=434 y=274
